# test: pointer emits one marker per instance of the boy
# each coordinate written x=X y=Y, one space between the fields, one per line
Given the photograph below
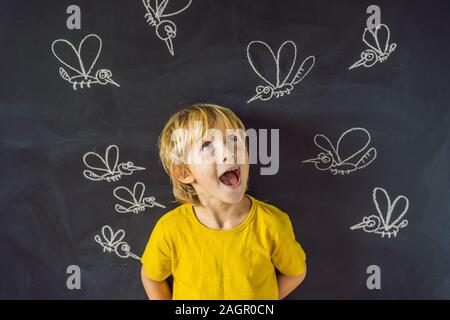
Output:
x=220 y=243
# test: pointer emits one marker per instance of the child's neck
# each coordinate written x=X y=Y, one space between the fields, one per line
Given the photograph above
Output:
x=217 y=214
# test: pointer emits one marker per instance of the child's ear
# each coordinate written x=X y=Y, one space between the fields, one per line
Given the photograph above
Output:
x=183 y=174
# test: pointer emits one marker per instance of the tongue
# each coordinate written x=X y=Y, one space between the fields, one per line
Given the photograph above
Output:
x=229 y=178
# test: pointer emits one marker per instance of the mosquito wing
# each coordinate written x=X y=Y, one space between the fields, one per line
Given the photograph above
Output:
x=263 y=62
x=383 y=36
x=97 y=165
x=161 y=6
x=378 y=38
x=112 y=157
x=367 y=158
x=304 y=69
x=86 y=55
x=125 y=195
x=352 y=143
x=382 y=204
x=397 y=212
x=325 y=144
x=285 y=61
x=89 y=51
x=67 y=54
x=153 y=17
x=111 y=237
x=138 y=192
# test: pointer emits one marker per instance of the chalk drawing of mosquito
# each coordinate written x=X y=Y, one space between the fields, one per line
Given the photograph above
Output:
x=279 y=84
x=379 y=50
x=383 y=223
x=165 y=29
x=112 y=243
x=345 y=157
x=107 y=168
x=134 y=200
x=86 y=55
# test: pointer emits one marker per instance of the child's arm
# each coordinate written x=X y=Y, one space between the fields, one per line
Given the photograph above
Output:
x=286 y=284
x=156 y=290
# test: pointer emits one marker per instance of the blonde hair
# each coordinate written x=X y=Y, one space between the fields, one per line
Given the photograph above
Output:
x=175 y=147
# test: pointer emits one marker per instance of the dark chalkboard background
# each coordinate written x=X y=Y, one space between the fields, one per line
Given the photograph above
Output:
x=49 y=213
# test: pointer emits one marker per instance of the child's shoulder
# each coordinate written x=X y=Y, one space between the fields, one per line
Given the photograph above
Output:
x=175 y=216
x=271 y=214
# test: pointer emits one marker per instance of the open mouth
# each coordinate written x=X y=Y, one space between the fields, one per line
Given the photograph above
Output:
x=231 y=177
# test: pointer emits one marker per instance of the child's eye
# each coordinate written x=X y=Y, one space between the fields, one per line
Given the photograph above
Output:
x=206 y=144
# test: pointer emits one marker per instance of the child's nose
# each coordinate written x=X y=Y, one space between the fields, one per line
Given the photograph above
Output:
x=227 y=153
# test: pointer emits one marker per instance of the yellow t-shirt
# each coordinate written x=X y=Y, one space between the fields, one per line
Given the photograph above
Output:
x=237 y=263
